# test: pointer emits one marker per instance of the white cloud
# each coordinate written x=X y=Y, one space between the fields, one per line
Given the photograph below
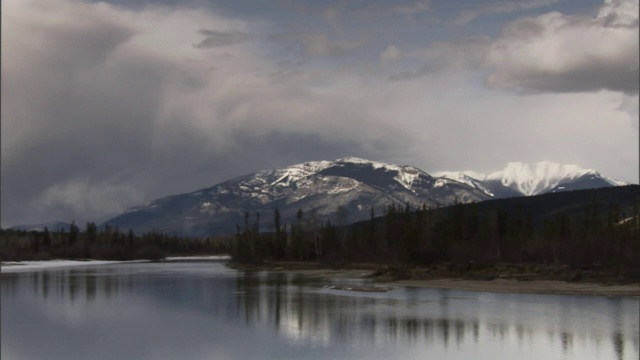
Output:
x=559 y=53
x=89 y=198
x=629 y=104
x=619 y=13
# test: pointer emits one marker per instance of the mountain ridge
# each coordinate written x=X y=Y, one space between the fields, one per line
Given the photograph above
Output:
x=348 y=187
x=522 y=179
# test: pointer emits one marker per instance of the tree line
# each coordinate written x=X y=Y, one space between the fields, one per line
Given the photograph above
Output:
x=108 y=243
x=561 y=229
x=599 y=235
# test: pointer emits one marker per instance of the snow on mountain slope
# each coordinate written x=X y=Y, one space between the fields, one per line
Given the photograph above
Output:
x=460 y=175
x=521 y=179
x=540 y=177
x=352 y=184
x=319 y=187
x=470 y=178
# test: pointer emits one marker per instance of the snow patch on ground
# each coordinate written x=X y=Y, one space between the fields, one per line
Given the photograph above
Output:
x=212 y=257
x=17 y=266
x=339 y=190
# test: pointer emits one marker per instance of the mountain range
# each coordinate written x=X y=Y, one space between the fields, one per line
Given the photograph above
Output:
x=520 y=179
x=344 y=190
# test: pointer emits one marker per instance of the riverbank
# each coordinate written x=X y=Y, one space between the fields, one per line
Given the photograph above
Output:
x=18 y=266
x=547 y=287
x=503 y=278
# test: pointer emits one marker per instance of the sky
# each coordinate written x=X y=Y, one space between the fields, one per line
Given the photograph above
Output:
x=108 y=105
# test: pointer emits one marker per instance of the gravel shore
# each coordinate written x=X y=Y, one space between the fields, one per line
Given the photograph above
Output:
x=501 y=283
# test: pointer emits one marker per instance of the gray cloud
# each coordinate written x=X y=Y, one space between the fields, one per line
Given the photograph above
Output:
x=619 y=13
x=558 y=53
x=98 y=116
x=220 y=38
x=319 y=45
x=549 y=53
x=404 y=75
x=384 y=9
x=459 y=55
x=410 y=9
x=501 y=7
x=104 y=107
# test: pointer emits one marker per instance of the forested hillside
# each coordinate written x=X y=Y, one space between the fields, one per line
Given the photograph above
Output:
x=597 y=228
x=581 y=228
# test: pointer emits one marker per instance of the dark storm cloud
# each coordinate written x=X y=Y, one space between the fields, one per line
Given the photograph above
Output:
x=95 y=121
x=83 y=131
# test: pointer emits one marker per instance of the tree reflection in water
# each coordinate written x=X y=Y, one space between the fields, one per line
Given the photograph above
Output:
x=300 y=312
x=301 y=309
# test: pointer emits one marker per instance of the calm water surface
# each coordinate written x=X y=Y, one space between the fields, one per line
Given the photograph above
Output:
x=202 y=310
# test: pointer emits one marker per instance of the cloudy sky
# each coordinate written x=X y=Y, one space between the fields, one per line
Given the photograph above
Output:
x=106 y=105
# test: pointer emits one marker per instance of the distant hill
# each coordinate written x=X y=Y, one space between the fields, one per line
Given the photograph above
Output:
x=582 y=234
x=572 y=204
x=51 y=226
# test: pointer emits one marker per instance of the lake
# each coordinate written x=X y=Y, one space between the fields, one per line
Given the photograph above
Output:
x=203 y=310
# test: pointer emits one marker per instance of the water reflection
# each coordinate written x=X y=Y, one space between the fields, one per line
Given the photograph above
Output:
x=205 y=311
x=301 y=312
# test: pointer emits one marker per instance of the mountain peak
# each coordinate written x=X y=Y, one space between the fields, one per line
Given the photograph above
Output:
x=520 y=178
x=354 y=159
x=374 y=164
x=354 y=184
x=532 y=179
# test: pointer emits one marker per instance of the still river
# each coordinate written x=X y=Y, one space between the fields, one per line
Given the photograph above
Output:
x=185 y=310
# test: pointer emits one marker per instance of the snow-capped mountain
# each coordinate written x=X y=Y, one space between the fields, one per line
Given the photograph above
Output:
x=317 y=187
x=356 y=185
x=520 y=179
x=469 y=178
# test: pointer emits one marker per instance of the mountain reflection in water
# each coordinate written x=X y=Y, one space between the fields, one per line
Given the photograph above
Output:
x=201 y=310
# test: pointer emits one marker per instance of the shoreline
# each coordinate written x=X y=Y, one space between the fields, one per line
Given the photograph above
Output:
x=501 y=284
x=34 y=265
x=20 y=266
x=386 y=278
x=511 y=286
